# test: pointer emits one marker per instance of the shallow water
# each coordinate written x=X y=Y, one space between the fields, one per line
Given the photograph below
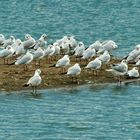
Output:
x=84 y=112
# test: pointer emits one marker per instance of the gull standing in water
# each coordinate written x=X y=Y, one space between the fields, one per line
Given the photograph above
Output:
x=34 y=81
x=74 y=71
x=119 y=69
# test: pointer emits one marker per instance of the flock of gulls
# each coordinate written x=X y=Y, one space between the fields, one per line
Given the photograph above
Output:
x=95 y=55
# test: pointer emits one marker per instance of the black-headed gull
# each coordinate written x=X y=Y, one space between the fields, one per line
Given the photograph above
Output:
x=49 y=52
x=29 y=42
x=119 y=69
x=41 y=42
x=8 y=41
x=134 y=72
x=34 y=81
x=79 y=49
x=74 y=71
x=96 y=45
x=63 y=62
x=108 y=45
x=38 y=55
x=24 y=60
x=94 y=65
x=89 y=53
x=133 y=54
x=7 y=53
x=105 y=57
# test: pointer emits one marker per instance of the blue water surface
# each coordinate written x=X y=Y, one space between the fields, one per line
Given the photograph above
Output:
x=88 y=20
x=104 y=112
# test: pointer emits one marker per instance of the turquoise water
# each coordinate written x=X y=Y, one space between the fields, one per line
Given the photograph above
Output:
x=105 y=112
x=81 y=113
x=88 y=20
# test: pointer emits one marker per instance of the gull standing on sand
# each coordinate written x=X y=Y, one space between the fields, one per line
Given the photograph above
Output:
x=38 y=55
x=119 y=69
x=34 y=81
x=19 y=48
x=49 y=52
x=79 y=49
x=133 y=54
x=41 y=42
x=105 y=57
x=89 y=53
x=9 y=41
x=7 y=53
x=74 y=71
x=29 y=42
x=108 y=45
x=94 y=65
x=96 y=45
x=24 y=60
x=63 y=62
x=134 y=72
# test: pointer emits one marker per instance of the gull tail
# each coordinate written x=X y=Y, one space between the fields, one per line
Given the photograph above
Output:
x=109 y=70
x=25 y=85
x=13 y=63
x=52 y=65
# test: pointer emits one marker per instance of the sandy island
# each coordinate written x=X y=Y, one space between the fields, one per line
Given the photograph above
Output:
x=14 y=77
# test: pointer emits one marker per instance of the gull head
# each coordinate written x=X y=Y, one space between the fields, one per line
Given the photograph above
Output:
x=27 y=36
x=38 y=71
x=45 y=36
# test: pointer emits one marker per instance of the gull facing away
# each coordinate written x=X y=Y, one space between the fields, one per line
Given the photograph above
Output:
x=119 y=69
x=108 y=45
x=105 y=57
x=49 y=52
x=133 y=54
x=94 y=65
x=96 y=45
x=63 y=62
x=89 y=53
x=34 y=81
x=74 y=71
x=38 y=55
x=79 y=49
x=134 y=72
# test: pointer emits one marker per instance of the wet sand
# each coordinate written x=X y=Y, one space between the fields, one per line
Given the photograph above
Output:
x=14 y=77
